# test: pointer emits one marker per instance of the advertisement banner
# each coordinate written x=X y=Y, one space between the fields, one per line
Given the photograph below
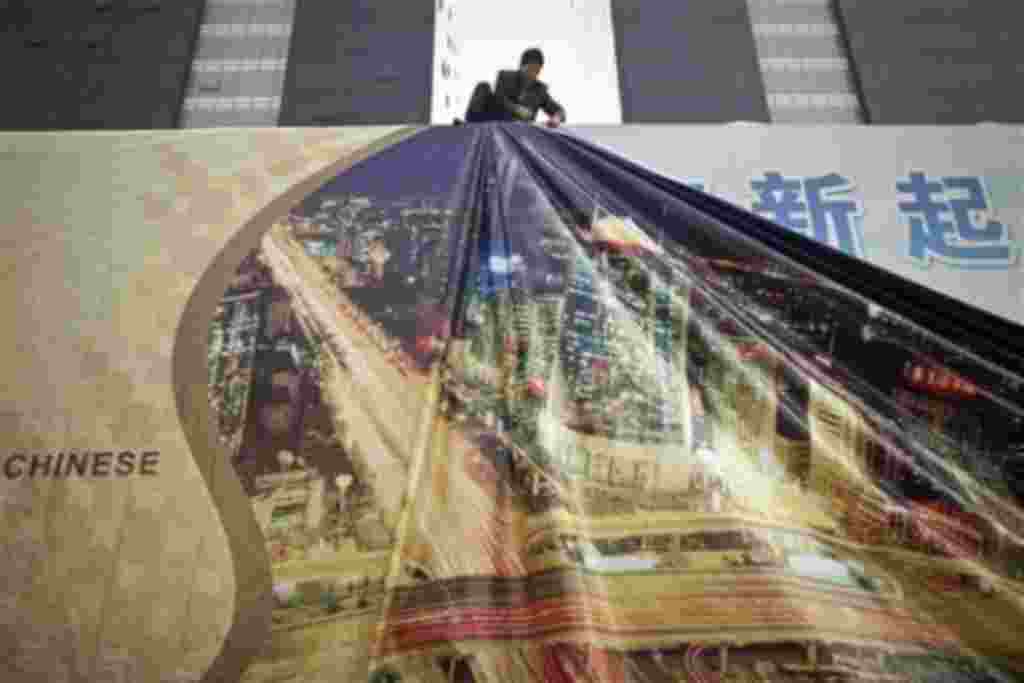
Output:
x=941 y=206
x=494 y=403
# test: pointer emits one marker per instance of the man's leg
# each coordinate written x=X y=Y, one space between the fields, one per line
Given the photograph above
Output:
x=480 y=104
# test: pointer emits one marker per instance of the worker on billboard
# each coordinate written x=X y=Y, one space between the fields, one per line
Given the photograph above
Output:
x=516 y=96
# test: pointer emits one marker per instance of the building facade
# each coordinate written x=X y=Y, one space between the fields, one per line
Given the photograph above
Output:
x=299 y=62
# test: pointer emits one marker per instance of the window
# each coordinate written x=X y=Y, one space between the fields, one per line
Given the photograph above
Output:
x=285 y=511
x=659 y=544
x=619 y=546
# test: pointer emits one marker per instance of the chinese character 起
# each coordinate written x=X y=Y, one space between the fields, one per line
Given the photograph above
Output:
x=949 y=221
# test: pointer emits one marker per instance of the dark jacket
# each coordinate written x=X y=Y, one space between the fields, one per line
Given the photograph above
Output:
x=513 y=88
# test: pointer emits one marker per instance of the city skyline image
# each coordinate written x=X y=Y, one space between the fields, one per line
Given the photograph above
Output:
x=498 y=424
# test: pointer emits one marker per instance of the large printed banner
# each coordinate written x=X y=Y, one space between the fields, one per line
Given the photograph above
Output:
x=499 y=404
x=943 y=207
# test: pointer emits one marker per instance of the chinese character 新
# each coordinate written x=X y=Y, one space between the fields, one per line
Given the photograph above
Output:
x=818 y=207
x=949 y=221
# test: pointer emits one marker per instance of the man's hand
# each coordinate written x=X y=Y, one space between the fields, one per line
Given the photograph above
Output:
x=555 y=121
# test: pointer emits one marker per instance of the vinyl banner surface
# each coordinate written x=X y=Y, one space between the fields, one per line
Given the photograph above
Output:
x=943 y=207
x=494 y=404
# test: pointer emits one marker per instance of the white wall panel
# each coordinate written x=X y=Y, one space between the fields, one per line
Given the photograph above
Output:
x=476 y=38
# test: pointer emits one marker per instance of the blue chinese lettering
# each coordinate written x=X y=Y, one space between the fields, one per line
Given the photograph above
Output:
x=818 y=207
x=783 y=199
x=942 y=218
x=829 y=204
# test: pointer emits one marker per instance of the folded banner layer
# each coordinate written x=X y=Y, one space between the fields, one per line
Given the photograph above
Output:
x=540 y=414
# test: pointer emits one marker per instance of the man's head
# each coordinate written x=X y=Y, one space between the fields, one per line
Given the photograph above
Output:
x=531 y=63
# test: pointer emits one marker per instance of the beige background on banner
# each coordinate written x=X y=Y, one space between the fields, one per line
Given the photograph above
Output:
x=103 y=239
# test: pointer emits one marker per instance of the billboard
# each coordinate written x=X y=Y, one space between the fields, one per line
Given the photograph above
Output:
x=941 y=206
x=491 y=403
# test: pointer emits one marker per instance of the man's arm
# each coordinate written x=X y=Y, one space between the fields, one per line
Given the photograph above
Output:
x=551 y=107
x=504 y=89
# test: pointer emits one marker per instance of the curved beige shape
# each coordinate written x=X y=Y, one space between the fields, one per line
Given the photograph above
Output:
x=114 y=248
